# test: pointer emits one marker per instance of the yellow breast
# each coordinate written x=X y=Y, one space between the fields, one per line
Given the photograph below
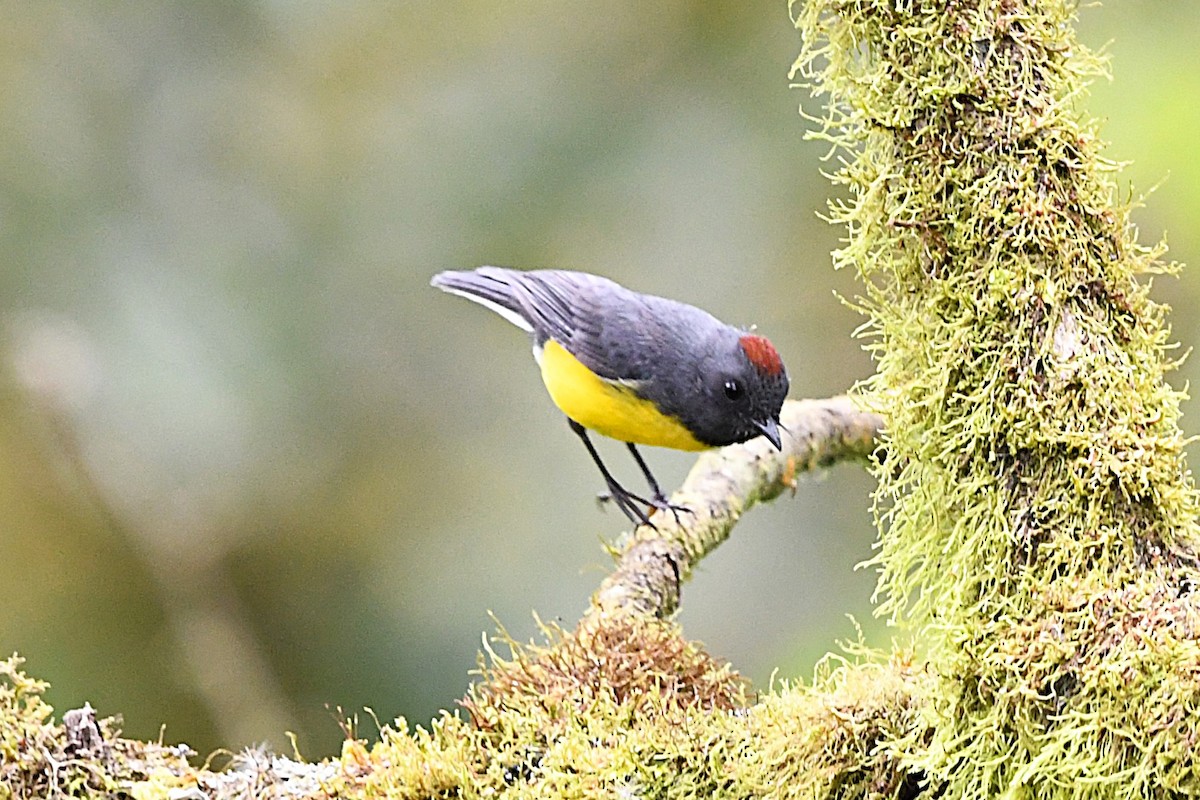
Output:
x=606 y=407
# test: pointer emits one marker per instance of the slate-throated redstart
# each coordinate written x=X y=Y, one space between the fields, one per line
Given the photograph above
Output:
x=634 y=367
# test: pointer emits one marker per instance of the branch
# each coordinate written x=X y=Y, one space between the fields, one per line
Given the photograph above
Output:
x=724 y=484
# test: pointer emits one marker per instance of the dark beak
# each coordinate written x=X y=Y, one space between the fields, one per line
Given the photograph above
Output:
x=770 y=429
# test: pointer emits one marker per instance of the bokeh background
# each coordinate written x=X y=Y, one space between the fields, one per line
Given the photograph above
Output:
x=253 y=469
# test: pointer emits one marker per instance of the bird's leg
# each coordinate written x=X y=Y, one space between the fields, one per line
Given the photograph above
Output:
x=626 y=501
x=658 y=495
x=659 y=500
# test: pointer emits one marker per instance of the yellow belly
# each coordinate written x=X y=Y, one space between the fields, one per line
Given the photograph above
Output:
x=608 y=408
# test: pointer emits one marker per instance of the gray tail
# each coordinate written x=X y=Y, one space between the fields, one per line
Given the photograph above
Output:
x=488 y=286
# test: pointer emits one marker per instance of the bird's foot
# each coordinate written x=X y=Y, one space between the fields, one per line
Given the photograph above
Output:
x=633 y=505
x=661 y=503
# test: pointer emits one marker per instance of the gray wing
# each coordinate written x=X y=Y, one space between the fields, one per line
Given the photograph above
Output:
x=618 y=334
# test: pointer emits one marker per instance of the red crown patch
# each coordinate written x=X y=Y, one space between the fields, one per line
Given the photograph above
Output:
x=762 y=354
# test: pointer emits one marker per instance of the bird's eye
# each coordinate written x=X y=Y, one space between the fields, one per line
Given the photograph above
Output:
x=734 y=389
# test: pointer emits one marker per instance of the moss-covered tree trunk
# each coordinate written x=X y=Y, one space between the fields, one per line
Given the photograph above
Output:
x=1037 y=519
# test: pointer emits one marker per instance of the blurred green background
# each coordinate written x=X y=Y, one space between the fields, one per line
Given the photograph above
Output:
x=252 y=468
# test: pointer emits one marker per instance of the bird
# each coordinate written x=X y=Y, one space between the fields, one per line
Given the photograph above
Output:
x=641 y=369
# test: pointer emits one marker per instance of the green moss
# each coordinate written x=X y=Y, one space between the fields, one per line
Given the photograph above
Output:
x=81 y=757
x=829 y=740
x=625 y=707
x=1035 y=504
x=597 y=710
x=24 y=729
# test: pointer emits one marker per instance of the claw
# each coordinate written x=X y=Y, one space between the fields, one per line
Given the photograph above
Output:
x=631 y=505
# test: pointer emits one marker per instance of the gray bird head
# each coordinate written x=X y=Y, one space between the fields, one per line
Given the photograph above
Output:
x=743 y=387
